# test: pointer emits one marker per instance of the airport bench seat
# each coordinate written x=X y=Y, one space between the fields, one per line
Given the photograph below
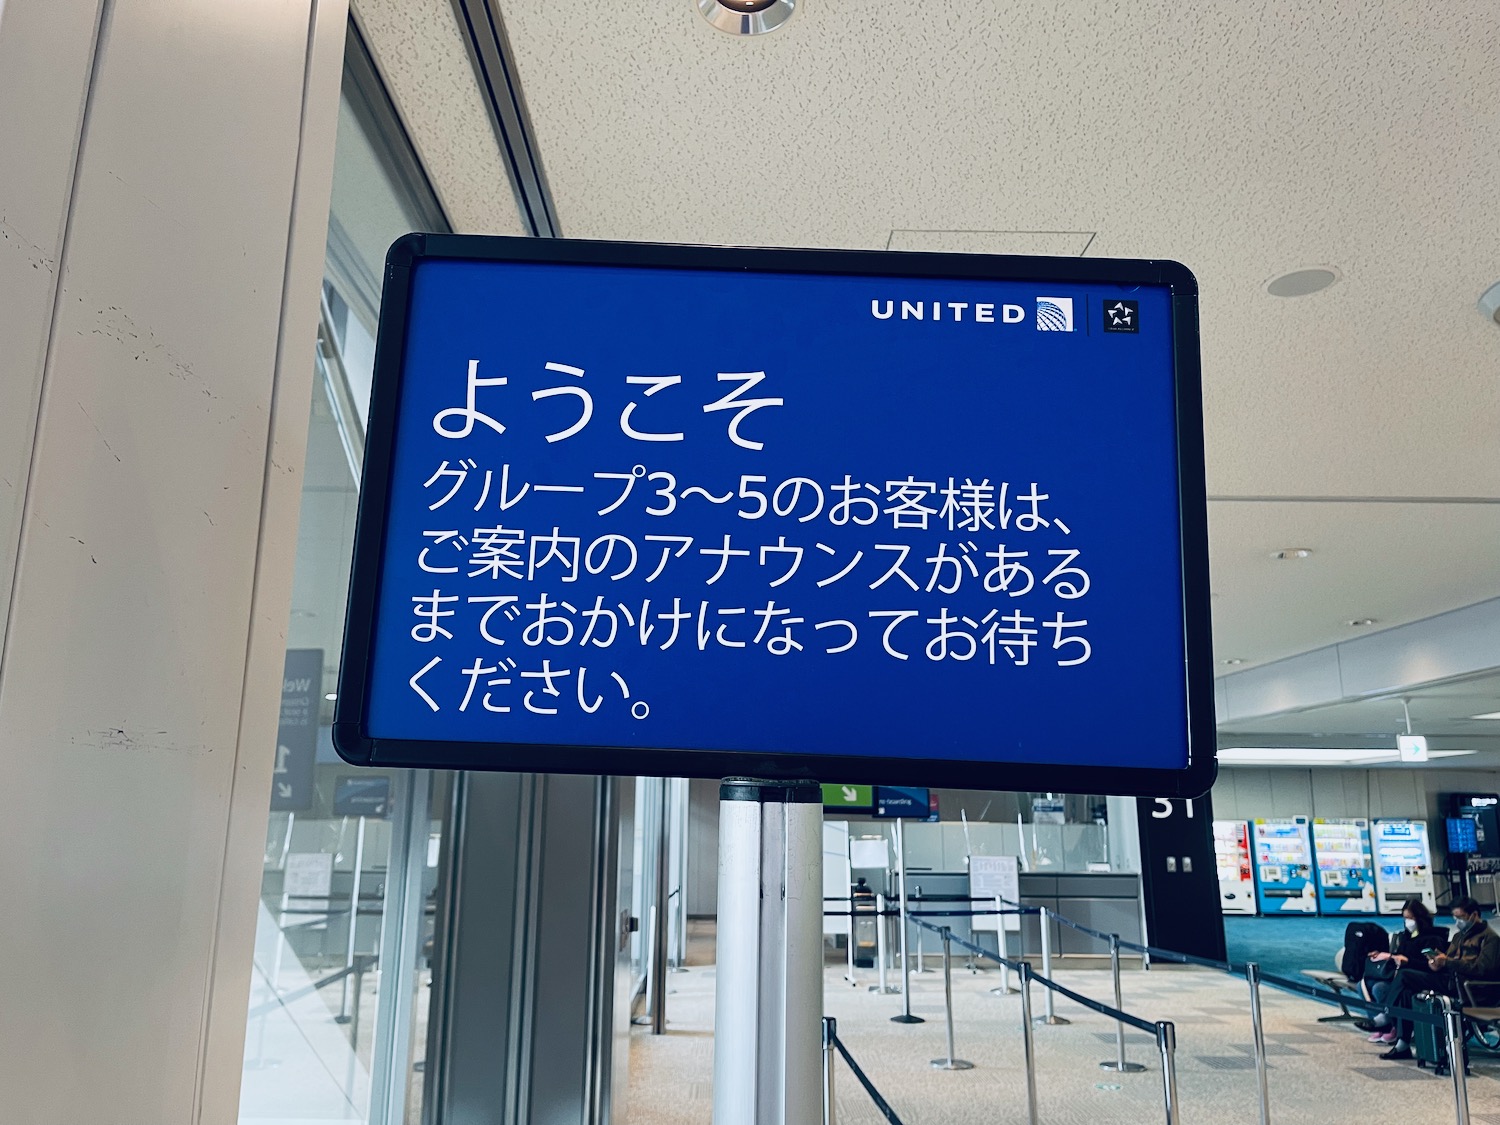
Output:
x=1338 y=983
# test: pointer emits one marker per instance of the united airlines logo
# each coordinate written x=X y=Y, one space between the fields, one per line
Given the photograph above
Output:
x=1054 y=314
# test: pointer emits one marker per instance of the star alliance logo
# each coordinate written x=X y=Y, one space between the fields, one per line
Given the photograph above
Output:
x=1054 y=314
x=1122 y=316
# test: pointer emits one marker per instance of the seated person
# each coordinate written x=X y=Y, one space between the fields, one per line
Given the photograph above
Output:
x=1418 y=937
x=1473 y=954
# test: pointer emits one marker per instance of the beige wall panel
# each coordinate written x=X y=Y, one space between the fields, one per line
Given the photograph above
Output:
x=140 y=655
x=46 y=50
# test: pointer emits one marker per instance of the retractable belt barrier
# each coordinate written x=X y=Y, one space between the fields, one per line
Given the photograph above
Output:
x=1164 y=1031
x=1301 y=988
x=1449 y=1019
x=831 y=1043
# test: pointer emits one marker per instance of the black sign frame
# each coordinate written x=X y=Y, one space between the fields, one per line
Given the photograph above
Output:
x=354 y=745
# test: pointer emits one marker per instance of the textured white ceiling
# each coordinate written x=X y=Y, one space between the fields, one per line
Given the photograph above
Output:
x=1242 y=139
x=1393 y=562
x=423 y=57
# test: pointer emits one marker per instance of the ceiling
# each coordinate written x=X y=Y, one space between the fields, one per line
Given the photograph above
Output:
x=1243 y=139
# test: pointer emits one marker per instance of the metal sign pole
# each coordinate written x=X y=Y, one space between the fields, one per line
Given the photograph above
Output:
x=905 y=1016
x=769 y=997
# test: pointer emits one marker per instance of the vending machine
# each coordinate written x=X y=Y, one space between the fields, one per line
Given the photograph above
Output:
x=1236 y=866
x=1346 y=872
x=1403 y=864
x=1284 y=866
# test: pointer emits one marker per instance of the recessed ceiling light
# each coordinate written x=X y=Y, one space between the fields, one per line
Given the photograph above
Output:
x=1299 y=283
x=747 y=17
x=1292 y=553
x=1234 y=660
x=1487 y=715
x=1361 y=622
x=1489 y=302
x=331 y=695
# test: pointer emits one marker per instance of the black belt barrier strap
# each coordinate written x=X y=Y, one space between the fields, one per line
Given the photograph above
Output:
x=880 y=1103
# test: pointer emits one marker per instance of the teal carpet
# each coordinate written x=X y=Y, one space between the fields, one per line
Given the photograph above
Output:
x=1286 y=946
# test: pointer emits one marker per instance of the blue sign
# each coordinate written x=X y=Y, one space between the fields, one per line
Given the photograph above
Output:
x=297 y=732
x=362 y=796
x=694 y=511
x=904 y=801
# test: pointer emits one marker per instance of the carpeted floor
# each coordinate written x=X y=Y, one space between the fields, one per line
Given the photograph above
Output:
x=1286 y=946
x=1321 y=1073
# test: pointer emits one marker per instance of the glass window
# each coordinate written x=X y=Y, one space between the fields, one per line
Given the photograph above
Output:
x=338 y=1001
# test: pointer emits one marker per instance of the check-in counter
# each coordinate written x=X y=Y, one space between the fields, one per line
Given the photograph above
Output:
x=1109 y=902
x=1106 y=901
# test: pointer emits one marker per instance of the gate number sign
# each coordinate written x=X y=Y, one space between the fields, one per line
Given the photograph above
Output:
x=694 y=511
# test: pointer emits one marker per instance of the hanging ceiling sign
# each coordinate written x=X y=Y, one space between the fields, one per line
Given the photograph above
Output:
x=922 y=518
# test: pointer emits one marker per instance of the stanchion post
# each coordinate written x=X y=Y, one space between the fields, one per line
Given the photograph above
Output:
x=1453 y=1025
x=830 y=1035
x=1118 y=1063
x=881 y=955
x=949 y=1063
x=849 y=942
x=1166 y=1043
x=1001 y=944
x=1049 y=1012
x=905 y=1016
x=1028 y=1047
x=921 y=952
x=359 y=863
x=1252 y=975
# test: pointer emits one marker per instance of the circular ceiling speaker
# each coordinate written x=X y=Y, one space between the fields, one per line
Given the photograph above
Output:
x=747 y=17
x=1299 y=283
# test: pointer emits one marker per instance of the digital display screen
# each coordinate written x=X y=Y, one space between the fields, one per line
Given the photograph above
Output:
x=1463 y=839
x=768 y=515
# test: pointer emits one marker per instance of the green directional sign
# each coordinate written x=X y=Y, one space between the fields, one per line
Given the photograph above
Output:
x=849 y=798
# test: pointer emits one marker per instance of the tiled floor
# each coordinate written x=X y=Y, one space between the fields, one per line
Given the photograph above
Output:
x=1321 y=1074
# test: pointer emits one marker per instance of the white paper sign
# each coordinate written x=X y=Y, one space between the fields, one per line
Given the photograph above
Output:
x=865 y=854
x=991 y=876
x=308 y=874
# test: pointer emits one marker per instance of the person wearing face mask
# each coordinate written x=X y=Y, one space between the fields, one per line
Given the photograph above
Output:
x=1472 y=954
x=1418 y=937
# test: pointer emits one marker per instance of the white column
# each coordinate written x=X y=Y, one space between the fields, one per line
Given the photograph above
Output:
x=165 y=185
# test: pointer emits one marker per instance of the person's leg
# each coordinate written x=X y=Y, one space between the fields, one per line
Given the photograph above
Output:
x=1383 y=1029
x=1407 y=983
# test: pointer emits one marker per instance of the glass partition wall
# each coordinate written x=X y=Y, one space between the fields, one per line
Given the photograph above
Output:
x=338 y=1002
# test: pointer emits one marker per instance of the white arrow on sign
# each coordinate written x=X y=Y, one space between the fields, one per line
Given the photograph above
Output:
x=850 y=793
x=283 y=789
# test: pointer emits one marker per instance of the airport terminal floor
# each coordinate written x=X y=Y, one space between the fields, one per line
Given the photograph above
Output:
x=1319 y=1072
x=468 y=466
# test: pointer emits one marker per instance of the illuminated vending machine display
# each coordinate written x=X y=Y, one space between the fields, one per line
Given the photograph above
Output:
x=1346 y=873
x=1403 y=864
x=1284 y=866
x=1236 y=871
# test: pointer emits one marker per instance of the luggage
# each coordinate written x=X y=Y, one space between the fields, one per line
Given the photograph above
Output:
x=1360 y=940
x=1427 y=1041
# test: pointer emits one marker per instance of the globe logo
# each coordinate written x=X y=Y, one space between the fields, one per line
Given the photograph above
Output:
x=1054 y=314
